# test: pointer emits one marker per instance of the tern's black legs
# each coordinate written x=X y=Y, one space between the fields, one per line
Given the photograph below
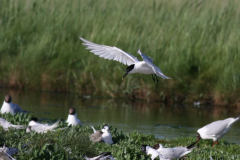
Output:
x=154 y=78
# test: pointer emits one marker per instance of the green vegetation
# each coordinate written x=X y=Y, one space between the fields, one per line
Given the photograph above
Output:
x=73 y=143
x=196 y=43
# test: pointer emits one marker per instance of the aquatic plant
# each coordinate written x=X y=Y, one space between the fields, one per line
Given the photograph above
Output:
x=73 y=143
x=194 y=42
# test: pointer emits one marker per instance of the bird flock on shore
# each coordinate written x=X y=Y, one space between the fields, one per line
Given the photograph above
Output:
x=214 y=130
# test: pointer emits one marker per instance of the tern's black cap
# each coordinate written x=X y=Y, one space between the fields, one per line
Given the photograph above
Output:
x=34 y=119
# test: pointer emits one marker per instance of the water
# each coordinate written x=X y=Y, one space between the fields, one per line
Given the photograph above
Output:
x=164 y=121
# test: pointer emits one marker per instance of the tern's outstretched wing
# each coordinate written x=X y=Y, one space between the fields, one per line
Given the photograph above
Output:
x=149 y=62
x=111 y=53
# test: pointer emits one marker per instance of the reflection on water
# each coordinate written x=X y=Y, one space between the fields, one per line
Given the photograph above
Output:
x=164 y=121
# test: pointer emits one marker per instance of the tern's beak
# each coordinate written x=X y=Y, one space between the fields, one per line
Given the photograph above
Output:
x=125 y=75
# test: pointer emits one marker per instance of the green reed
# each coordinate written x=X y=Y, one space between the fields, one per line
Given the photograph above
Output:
x=193 y=42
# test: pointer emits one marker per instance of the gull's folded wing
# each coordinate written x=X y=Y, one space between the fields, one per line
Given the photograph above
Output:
x=111 y=53
x=217 y=127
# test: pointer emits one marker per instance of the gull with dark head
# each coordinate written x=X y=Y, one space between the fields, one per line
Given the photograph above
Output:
x=72 y=117
x=134 y=65
x=216 y=130
x=9 y=107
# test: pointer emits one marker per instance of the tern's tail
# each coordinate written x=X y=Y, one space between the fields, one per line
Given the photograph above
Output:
x=238 y=117
x=54 y=125
x=94 y=130
x=163 y=76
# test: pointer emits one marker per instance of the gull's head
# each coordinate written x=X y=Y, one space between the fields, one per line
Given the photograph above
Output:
x=129 y=69
x=105 y=128
x=28 y=129
x=72 y=111
x=8 y=99
x=144 y=148
x=198 y=137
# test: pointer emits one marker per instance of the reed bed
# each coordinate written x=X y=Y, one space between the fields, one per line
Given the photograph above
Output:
x=196 y=43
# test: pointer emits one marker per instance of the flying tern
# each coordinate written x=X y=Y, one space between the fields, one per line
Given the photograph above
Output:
x=134 y=65
x=216 y=130
x=9 y=107
x=176 y=152
x=72 y=117
x=6 y=125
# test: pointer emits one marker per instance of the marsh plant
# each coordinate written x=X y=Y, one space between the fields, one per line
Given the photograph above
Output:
x=194 y=42
x=73 y=143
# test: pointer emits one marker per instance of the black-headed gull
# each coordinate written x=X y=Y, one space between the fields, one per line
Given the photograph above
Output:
x=72 y=117
x=154 y=153
x=9 y=107
x=216 y=130
x=134 y=65
x=40 y=128
x=102 y=156
x=6 y=125
x=173 y=153
x=105 y=136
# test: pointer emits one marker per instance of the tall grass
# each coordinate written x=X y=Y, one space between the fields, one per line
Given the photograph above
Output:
x=194 y=42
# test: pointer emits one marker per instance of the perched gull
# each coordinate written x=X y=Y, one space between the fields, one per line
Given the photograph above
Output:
x=9 y=107
x=173 y=153
x=6 y=125
x=154 y=153
x=40 y=128
x=105 y=136
x=216 y=130
x=102 y=156
x=72 y=117
x=134 y=65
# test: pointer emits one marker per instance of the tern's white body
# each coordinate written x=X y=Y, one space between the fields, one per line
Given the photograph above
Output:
x=217 y=129
x=113 y=53
x=173 y=153
x=41 y=128
x=106 y=136
x=73 y=120
x=10 y=108
x=6 y=125
x=142 y=67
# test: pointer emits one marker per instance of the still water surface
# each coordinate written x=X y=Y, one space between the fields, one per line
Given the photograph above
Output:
x=164 y=121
